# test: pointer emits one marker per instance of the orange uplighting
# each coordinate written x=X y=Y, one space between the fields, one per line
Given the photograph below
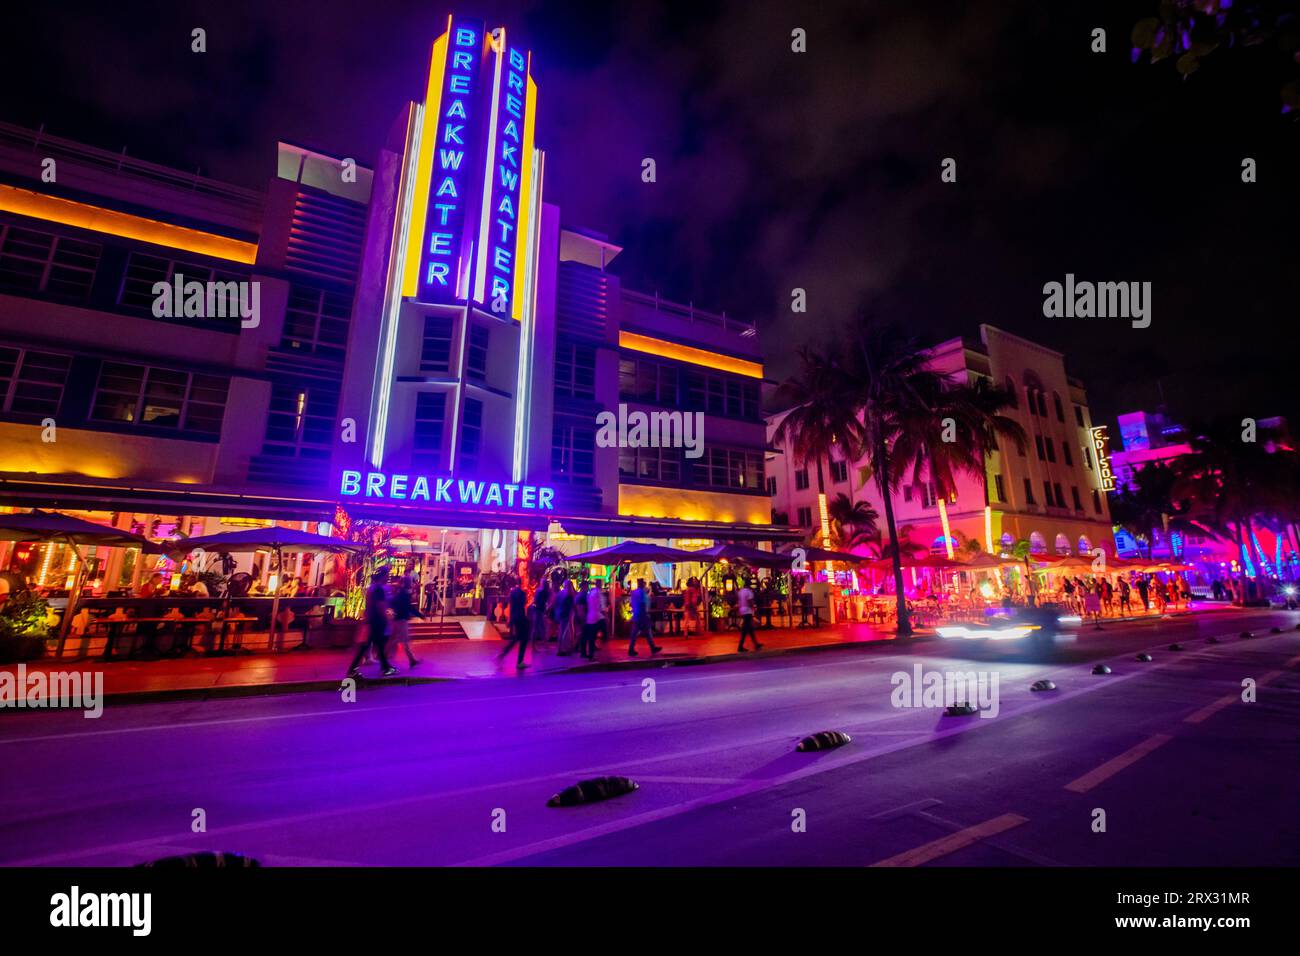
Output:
x=685 y=353
x=25 y=202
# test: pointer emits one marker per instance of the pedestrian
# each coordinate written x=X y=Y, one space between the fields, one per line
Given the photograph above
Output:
x=518 y=626
x=1216 y=588
x=691 y=607
x=594 y=621
x=563 y=615
x=376 y=626
x=1092 y=606
x=403 y=610
x=745 y=608
x=640 y=601
x=1144 y=592
x=1107 y=597
x=1125 y=596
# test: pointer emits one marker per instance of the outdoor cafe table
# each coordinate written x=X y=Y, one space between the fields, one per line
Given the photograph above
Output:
x=113 y=625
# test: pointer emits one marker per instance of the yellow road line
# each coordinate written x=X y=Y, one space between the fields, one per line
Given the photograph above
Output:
x=954 y=841
x=1113 y=766
x=1209 y=710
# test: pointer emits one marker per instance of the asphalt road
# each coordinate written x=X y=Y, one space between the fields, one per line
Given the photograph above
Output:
x=1185 y=772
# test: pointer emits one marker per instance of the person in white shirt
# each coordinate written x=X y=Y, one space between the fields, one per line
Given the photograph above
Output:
x=745 y=608
x=594 y=622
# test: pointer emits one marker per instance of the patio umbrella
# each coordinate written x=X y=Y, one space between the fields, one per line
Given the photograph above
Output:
x=984 y=562
x=633 y=552
x=280 y=540
x=746 y=555
x=54 y=526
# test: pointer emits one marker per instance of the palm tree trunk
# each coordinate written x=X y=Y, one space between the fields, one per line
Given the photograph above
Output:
x=882 y=481
x=1241 y=560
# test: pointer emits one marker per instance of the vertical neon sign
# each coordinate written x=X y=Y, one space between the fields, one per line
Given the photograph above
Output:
x=446 y=243
x=507 y=163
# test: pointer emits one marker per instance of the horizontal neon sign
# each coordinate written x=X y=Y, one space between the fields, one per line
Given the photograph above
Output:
x=451 y=491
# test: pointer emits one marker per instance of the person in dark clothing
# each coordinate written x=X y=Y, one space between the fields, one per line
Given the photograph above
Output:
x=518 y=626
x=538 y=612
x=376 y=627
x=1144 y=592
x=403 y=610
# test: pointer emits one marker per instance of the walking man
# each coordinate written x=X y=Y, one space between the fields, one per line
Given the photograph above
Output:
x=518 y=625
x=640 y=601
x=745 y=608
x=594 y=621
x=376 y=626
x=403 y=610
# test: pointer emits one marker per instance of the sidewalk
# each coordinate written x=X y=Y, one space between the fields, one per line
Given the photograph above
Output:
x=245 y=675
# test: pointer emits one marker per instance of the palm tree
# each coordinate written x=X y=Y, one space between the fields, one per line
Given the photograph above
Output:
x=852 y=522
x=953 y=432
x=889 y=386
x=1149 y=503
x=821 y=418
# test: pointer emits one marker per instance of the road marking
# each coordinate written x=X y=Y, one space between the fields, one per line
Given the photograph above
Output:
x=1116 y=764
x=953 y=842
x=1209 y=710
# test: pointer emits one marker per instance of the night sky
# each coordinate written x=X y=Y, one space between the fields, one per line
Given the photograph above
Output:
x=779 y=170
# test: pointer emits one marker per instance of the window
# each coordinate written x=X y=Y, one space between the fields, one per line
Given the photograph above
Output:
x=1047 y=493
x=1038 y=446
x=573 y=454
x=1013 y=392
x=839 y=471
x=1029 y=491
x=160 y=398
x=316 y=322
x=476 y=358
x=575 y=371
x=143 y=271
x=1078 y=505
x=1087 y=457
x=907 y=493
x=40 y=262
x=801 y=479
x=1065 y=453
x=1051 y=451
x=1096 y=501
x=650 y=464
x=727 y=396
x=1042 y=404
x=426 y=442
x=32 y=382
x=435 y=350
x=729 y=468
x=471 y=435
x=1060 y=498
x=999 y=492
x=803 y=517
x=928 y=496
x=1078 y=416
x=771 y=486
x=300 y=420
x=1060 y=410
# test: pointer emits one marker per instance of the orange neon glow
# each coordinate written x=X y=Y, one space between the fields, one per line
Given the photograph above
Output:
x=525 y=197
x=424 y=163
x=685 y=353
x=25 y=202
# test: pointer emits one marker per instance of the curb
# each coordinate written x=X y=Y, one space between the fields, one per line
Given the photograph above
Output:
x=260 y=690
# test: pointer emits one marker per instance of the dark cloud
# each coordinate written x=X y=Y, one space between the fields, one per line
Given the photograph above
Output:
x=779 y=170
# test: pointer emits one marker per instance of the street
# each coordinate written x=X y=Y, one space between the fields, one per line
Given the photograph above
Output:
x=1157 y=763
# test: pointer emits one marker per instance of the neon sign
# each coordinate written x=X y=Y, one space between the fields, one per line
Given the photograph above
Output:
x=504 y=171
x=446 y=242
x=449 y=491
x=1100 y=445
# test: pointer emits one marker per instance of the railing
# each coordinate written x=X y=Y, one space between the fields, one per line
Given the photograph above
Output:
x=57 y=146
x=690 y=313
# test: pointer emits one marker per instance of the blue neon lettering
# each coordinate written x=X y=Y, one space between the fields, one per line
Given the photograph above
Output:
x=442 y=490
x=374 y=485
x=470 y=491
x=351 y=483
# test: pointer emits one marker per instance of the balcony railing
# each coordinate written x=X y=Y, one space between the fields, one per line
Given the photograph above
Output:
x=690 y=313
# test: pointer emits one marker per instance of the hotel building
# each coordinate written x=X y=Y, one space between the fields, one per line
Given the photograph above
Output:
x=430 y=349
x=1051 y=491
